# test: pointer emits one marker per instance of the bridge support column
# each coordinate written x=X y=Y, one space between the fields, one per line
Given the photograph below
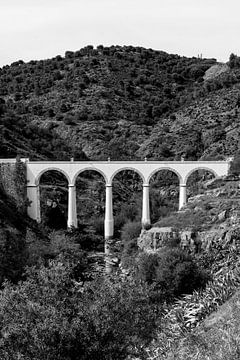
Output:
x=72 y=207
x=182 y=195
x=108 y=226
x=33 y=195
x=145 y=207
x=108 y=223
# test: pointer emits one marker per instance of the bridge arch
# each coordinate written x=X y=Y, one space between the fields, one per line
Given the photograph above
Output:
x=52 y=168
x=127 y=168
x=89 y=185
x=212 y=171
x=165 y=168
x=100 y=172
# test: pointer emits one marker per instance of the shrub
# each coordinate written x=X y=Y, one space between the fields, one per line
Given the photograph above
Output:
x=119 y=221
x=98 y=224
x=130 y=231
x=172 y=271
x=86 y=240
x=129 y=254
x=52 y=316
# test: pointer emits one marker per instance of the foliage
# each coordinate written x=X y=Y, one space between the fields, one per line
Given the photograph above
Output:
x=52 y=316
x=108 y=84
x=184 y=321
x=172 y=271
x=98 y=223
x=130 y=231
x=86 y=238
x=20 y=184
x=13 y=255
x=234 y=61
x=219 y=340
x=235 y=165
x=129 y=254
x=54 y=218
x=197 y=219
x=185 y=314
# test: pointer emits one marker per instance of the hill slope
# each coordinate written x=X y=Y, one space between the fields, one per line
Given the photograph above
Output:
x=100 y=100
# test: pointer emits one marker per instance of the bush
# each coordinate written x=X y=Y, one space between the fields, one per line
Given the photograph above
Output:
x=172 y=271
x=119 y=221
x=129 y=254
x=98 y=224
x=53 y=316
x=130 y=231
x=86 y=240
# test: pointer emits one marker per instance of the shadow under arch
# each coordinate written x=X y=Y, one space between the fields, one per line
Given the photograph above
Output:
x=163 y=192
x=90 y=169
x=53 y=194
x=127 y=189
x=200 y=168
x=90 y=185
x=128 y=168
x=165 y=168
x=52 y=168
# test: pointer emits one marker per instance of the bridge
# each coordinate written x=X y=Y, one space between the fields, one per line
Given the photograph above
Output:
x=109 y=169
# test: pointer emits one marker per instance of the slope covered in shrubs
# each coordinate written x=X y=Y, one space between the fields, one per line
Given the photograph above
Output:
x=105 y=100
x=194 y=324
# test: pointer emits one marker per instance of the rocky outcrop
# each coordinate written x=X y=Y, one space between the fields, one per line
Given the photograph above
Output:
x=191 y=240
x=215 y=70
x=156 y=238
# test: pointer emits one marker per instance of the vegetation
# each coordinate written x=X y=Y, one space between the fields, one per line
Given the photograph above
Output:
x=51 y=315
x=124 y=103
x=108 y=101
x=172 y=271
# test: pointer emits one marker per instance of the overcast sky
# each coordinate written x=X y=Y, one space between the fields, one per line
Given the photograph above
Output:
x=40 y=29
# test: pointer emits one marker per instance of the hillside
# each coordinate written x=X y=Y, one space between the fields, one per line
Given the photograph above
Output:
x=204 y=325
x=22 y=242
x=102 y=101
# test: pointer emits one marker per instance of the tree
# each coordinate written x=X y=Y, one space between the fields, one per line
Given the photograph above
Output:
x=234 y=61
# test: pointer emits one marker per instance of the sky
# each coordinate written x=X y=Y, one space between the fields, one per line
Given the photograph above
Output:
x=40 y=29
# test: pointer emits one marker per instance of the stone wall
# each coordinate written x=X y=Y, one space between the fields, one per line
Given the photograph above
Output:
x=13 y=182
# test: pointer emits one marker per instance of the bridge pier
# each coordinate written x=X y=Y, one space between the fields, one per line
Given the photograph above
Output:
x=109 y=222
x=145 y=207
x=108 y=226
x=72 y=207
x=182 y=195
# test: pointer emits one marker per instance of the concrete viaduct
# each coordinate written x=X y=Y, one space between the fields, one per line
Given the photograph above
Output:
x=109 y=169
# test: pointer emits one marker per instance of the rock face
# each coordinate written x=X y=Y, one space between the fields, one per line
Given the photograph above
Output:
x=158 y=237
x=189 y=240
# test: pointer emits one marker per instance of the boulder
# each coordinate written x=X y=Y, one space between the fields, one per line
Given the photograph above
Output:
x=222 y=216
